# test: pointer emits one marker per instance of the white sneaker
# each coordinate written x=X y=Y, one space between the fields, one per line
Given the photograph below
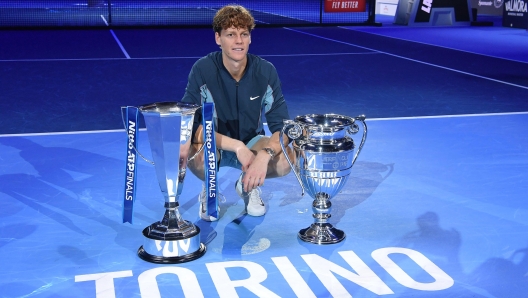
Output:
x=254 y=204
x=202 y=211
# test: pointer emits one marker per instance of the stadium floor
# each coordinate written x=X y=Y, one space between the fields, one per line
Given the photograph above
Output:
x=435 y=205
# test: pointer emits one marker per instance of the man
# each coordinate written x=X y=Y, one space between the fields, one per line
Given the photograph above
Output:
x=241 y=85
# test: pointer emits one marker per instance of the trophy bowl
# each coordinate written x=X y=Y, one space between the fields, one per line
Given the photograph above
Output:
x=324 y=155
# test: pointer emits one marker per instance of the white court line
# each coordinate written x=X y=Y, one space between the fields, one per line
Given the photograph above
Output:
x=37 y=134
x=449 y=116
x=434 y=45
x=58 y=60
x=414 y=60
x=183 y=57
x=116 y=39
x=322 y=54
x=119 y=43
x=367 y=119
x=104 y=20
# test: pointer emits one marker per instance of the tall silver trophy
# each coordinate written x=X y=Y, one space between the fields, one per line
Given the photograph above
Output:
x=173 y=239
x=324 y=155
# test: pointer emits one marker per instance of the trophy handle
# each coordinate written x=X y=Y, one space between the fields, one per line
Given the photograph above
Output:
x=123 y=109
x=293 y=134
x=363 y=139
x=141 y=155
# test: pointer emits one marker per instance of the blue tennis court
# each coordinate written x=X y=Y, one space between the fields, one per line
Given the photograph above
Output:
x=435 y=205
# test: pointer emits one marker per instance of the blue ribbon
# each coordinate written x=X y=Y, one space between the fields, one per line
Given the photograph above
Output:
x=210 y=160
x=131 y=126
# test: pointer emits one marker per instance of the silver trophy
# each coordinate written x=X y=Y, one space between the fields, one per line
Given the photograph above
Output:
x=324 y=155
x=173 y=239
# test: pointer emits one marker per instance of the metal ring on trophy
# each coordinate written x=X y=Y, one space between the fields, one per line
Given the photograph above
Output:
x=354 y=129
x=294 y=132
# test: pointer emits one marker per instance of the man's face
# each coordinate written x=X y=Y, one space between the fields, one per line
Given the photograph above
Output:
x=234 y=43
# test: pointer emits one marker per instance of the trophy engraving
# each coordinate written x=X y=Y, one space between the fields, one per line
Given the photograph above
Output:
x=173 y=239
x=324 y=155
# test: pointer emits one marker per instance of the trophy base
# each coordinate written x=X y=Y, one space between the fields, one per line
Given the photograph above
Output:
x=321 y=233
x=145 y=256
x=171 y=247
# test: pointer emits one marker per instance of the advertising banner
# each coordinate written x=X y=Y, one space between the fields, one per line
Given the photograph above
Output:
x=488 y=7
x=344 y=6
x=426 y=7
x=515 y=14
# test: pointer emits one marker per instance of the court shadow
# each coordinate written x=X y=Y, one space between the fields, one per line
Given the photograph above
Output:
x=207 y=231
x=12 y=232
x=237 y=236
x=502 y=277
x=442 y=245
x=496 y=277
x=43 y=199
x=68 y=184
x=75 y=255
x=365 y=178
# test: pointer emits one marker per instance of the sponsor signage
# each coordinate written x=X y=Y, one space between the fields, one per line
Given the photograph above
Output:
x=387 y=9
x=345 y=6
x=488 y=7
x=515 y=14
x=131 y=164
x=423 y=14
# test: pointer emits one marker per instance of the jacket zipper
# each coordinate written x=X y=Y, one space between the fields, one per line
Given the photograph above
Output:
x=237 y=111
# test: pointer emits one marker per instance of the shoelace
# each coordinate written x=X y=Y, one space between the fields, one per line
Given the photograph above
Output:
x=255 y=194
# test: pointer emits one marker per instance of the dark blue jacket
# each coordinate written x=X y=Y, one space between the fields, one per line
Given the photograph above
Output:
x=238 y=105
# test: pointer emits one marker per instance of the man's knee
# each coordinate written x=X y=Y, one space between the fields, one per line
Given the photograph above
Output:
x=282 y=166
x=283 y=169
x=196 y=163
